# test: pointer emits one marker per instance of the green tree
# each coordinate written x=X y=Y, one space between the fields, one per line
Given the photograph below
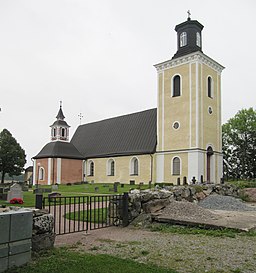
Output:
x=12 y=156
x=239 y=145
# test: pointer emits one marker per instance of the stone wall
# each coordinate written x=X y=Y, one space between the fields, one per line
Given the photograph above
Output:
x=150 y=201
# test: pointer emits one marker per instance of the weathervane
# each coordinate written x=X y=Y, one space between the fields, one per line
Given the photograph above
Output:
x=80 y=117
x=188 y=12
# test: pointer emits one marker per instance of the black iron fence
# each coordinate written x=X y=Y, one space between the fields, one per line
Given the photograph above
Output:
x=83 y=213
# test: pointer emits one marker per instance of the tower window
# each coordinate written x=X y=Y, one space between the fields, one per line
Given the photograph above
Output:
x=209 y=87
x=198 y=39
x=183 y=39
x=176 y=86
x=54 y=132
x=111 y=167
x=63 y=132
x=134 y=167
x=176 y=166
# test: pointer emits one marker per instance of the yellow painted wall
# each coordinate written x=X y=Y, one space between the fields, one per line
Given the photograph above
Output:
x=122 y=170
x=169 y=177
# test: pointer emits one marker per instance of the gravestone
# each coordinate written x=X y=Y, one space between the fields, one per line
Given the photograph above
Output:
x=202 y=179
x=122 y=185
x=184 y=180
x=55 y=187
x=15 y=192
x=96 y=189
x=115 y=187
x=178 y=181
x=193 y=180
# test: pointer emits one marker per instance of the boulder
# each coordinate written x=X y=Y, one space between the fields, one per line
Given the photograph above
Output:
x=43 y=223
x=43 y=241
x=249 y=194
x=155 y=205
x=143 y=220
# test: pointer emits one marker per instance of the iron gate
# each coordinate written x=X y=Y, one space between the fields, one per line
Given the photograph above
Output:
x=83 y=213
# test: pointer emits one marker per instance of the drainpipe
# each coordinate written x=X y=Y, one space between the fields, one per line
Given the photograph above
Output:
x=151 y=168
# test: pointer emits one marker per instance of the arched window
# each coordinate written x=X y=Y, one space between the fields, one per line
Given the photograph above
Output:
x=134 y=166
x=41 y=173
x=209 y=87
x=183 y=39
x=63 y=132
x=176 y=85
x=111 y=167
x=176 y=166
x=54 y=132
x=91 y=168
x=198 y=39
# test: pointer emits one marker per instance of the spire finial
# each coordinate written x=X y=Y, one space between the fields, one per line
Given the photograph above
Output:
x=60 y=103
x=80 y=117
x=189 y=14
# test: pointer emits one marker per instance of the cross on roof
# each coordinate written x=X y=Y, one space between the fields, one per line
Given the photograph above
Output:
x=188 y=12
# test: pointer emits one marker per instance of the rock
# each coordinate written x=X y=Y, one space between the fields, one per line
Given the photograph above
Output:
x=163 y=194
x=185 y=193
x=200 y=195
x=39 y=212
x=43 y=241
x=135 y=191
x=143 y=220
x=43 y=224
x=155 y=205
x=146 y=196
x=249 y=194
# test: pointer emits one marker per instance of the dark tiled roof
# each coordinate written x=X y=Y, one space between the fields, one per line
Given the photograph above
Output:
x=59 y=122
x=60 y=114
x=59 y=149
x=125 y=135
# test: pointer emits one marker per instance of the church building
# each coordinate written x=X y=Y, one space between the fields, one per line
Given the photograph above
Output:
x=178 y=141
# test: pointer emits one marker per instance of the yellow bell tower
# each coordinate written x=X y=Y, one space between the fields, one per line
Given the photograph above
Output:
x=189 y=141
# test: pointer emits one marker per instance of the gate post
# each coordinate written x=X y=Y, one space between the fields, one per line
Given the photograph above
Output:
x=39 y=201
x=125 y=209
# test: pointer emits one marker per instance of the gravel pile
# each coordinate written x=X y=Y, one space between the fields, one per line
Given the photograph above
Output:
x=220 y=202
x=183 y=210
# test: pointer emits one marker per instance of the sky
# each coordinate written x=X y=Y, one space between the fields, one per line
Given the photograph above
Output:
x=97 y=58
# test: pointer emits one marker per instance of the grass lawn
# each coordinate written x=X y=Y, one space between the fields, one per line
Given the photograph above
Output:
x=77 y=190
x=225 y=232
x=67 y=261
x=97 y=215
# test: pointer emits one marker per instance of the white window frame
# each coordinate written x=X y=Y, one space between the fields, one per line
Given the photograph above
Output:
x=212 y=87
x=109 y=167
x=183 y=39
x=180 y=166
x=89 y=168
x=172 y=85
x=132 y=169
x=198 y=39
x=41 y=173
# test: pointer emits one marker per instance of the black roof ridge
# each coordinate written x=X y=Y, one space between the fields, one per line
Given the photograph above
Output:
x=102 y=120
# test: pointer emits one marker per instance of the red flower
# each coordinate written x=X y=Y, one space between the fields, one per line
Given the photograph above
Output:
x=16 y=201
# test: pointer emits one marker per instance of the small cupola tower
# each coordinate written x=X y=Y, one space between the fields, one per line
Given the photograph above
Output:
x=60 y=128
x=189 y=37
